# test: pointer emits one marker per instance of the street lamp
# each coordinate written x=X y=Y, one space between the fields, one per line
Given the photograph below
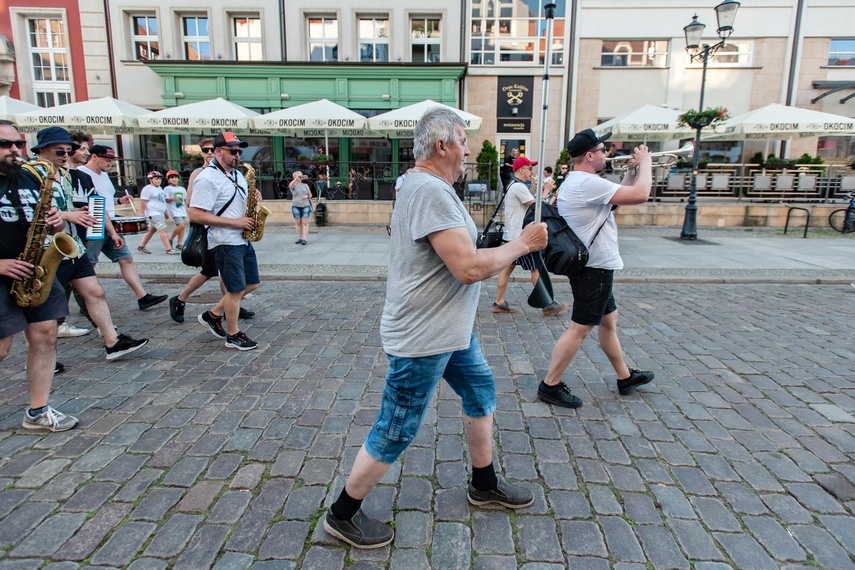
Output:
x=725 y=14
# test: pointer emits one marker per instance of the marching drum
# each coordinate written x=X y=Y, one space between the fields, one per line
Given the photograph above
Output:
x=127 y=225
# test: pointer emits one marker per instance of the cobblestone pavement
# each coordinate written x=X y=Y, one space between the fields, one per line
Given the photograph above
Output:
x=191 y=456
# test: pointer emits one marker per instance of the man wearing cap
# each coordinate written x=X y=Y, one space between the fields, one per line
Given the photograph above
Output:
x=54 y=145
x=587 y=201
x=219 y=202
x=100 y=162
x=518 y=198
x=18 y=196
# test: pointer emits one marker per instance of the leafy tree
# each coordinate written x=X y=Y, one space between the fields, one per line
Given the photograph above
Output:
x=488 y=164
x=563 y=158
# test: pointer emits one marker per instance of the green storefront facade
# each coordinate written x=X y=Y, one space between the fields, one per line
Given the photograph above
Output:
x=368 y=89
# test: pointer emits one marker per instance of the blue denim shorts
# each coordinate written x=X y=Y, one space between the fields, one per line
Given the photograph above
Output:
x=592 y=296
x=106 y=246
x=410 y=383
x=237 y=265
x=298 y=212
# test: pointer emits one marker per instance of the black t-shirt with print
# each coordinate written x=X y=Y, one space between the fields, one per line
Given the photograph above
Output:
x=19 y=195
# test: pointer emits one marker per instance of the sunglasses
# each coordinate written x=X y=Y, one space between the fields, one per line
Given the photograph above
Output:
x=235 y=151
x=207 y=149
x=19 y=144
x=62 y=152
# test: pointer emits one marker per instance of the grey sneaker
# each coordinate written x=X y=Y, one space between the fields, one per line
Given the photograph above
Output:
x=554 y=308
x=50 y=420
x=360 y=531
x=505 y=494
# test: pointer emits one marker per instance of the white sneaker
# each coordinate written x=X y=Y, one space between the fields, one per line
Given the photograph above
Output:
x=67 y=330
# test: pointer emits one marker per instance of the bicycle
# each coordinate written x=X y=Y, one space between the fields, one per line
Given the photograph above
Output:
x=843 y=220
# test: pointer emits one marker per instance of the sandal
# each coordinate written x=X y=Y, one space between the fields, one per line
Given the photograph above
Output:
x=503 y=308
x=141 y=249
x=173 y=252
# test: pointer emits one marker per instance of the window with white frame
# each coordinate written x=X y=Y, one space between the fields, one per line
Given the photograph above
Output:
x=634 y=53
x=508 y=32
x=144 y=37
x=195 y=38
x=323 y=39
x=425 y=40
x=730 y=54
x=246 y=35
x=50 y=61
x=373 y=39
x=841 y=52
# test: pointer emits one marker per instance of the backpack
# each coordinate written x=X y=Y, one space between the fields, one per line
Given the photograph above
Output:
x=565 y=253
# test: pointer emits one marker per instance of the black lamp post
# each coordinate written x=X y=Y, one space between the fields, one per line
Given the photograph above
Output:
x=726 y=14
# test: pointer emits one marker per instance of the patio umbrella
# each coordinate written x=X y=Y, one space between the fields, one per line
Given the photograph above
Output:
x=104 y=116
x=11 y=108
x=211 y=116
x=778 y=122
x=401 y=122
x=318 y=118
x=648 y=123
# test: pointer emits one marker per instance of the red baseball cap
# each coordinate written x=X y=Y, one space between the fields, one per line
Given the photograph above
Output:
x=523 y=161
x=228 y=138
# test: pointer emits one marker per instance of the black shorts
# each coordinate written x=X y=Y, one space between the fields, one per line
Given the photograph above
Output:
x=72 y=269
x=14 y=319
x=209 y=264
x=592 y=295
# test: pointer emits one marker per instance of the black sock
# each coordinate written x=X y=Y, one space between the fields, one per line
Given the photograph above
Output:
x=36 y=411
x=484 y=478
x=345 y=506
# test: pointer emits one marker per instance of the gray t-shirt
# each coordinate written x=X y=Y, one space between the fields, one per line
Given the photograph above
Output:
x=427 y=311
x=583 y=200
x=300 y=195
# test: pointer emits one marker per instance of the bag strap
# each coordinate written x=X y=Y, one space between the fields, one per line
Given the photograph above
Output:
x=496 y=211
x=229 y=203
x=601 y=226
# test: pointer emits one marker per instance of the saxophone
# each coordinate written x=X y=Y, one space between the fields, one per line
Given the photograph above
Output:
x=34 y=290
x=253 y=210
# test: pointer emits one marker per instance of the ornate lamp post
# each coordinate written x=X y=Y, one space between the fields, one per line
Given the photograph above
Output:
x=726 y=14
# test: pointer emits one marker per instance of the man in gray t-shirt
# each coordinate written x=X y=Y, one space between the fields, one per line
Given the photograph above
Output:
x=426 y=329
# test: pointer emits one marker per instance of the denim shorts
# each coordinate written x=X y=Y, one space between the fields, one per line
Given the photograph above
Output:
x=14 y=318
x=108 y=248
x=237 y=266
x=592 y=295
x=410 y=383
x=209 y=264
x=299 y=212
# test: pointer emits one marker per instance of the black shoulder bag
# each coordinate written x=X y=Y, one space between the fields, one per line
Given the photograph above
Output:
x=492 y=238
x=196 y=245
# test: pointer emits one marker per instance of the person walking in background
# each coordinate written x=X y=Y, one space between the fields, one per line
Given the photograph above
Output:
x=518 y=198
x=98 y=166
x=587 y=202
x=175 y=195
x=154 y=203
x=506 y=172
x=301 y=206
x=432 y=291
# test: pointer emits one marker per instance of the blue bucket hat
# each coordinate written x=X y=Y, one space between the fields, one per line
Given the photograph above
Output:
x=54 y=135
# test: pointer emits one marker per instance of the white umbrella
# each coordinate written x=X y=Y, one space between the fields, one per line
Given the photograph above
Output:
x=779 y=122
x=401 y=122
x=104 y=116
x=315 y=119
x=11 y=108
x=205 y=116
x=648 y=123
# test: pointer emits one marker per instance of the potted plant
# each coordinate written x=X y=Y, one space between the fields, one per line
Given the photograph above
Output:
x=191 y=159
x=709 y=117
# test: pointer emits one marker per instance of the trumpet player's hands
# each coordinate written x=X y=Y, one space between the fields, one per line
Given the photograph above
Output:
x=15 y=268
x=53 y=218
x=535 y=236
x=641 y=156
x=81 y=217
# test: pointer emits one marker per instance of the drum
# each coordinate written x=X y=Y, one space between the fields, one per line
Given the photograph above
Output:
x=127 y=225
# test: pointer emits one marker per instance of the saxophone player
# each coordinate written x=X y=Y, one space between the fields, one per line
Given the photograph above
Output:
x=18 y=196
x=218 y=201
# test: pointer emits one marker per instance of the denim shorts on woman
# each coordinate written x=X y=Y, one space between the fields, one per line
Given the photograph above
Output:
x=410 y=383
x=299 y=212
x=592 y=295
x=238 y=266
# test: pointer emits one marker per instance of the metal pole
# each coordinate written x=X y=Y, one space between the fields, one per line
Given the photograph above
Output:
x=549 y=14
x=690 y=221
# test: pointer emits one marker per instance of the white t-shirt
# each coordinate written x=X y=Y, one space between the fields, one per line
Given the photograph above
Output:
x=583 y=200
x=515 y=208
x=213 y=189
x=103 y=187
x=155 y=200
x=178 y=193
x=400 y=182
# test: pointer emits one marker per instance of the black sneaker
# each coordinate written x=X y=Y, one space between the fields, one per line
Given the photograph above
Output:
x=59 y=368
x=124 y=345
x=150 y=301
x=240 y=341
x=559 y=395
x=636 y=378
x=360 y=531
x=176 y=309
x=213 y=323
x=505 y=494
x=245 y=314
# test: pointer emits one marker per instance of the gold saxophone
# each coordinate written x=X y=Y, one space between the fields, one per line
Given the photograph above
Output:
x=253 y=210
x=34 y=290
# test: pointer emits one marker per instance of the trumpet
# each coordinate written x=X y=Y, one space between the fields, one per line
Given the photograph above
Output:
x=669 y=157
